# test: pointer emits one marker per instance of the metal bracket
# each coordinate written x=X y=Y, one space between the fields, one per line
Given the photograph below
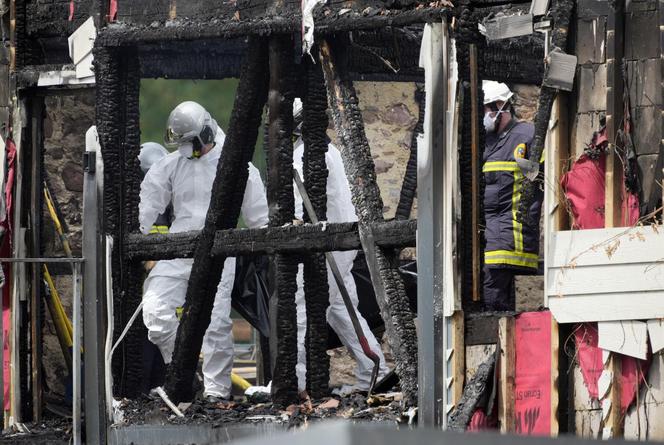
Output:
x=89 y=161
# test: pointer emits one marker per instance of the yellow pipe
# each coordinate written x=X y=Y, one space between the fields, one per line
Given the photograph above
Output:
x=239 y=382
x=56 y=221
x=58 y=303
x=59 y=320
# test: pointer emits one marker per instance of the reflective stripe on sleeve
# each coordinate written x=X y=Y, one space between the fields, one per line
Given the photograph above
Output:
x=500 y=166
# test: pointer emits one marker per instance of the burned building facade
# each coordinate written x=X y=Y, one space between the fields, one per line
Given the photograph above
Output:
x=356 y=49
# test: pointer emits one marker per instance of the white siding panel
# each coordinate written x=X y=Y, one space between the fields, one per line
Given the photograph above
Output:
x=608 y=278
x=607 y=307
x=606 y=246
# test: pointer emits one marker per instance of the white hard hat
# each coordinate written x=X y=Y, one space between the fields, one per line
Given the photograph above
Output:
x=151 y=152
x=495 y=91
x=187 y=122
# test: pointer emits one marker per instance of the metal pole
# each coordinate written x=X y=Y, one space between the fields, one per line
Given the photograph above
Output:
x=93 y=326
x=76 y=359
x=432 y=372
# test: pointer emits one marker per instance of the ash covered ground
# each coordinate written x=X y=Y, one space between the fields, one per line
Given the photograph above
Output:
x=357 y=407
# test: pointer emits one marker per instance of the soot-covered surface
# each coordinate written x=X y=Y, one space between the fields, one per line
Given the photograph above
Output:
x=55 y=430
x=355 y=407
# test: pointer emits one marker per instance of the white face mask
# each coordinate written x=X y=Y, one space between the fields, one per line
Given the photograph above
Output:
x=490 y=122
x=186 y=149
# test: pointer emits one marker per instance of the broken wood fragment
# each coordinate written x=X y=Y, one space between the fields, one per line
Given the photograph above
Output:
x=507 y=363
x=227 y=195
x=361 y=173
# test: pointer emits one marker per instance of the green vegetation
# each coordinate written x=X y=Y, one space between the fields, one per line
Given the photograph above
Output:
x=160 y=96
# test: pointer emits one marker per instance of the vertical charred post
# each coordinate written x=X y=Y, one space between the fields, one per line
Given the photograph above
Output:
x=316 y=288
x=118 y=83
x=409 y=185
x=561 y=12
x=383 y=263
x=131 y=180
x=227 y=194
x=282 y=209
x=467 y=34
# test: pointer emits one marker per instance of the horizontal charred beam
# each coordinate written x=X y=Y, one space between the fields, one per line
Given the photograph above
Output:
x=126 y=35
x=288 y=239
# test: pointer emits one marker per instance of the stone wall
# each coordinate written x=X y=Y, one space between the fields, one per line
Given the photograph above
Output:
x=67 y=117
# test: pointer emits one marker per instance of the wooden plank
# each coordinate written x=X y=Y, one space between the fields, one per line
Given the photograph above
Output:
x=606 y=246
x=606 y=279
x=614 y=113
x=627 y=337
x=475 y=171
x=607 y=307
x=560 y=158
x=458 y=357
x=555 y=374
x=507 y=368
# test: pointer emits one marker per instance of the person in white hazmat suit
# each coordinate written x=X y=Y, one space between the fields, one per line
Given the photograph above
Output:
x=184 y=178
x=339 y=209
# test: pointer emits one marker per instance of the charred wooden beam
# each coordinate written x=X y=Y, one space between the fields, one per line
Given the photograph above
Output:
x=228 y=27
x=281 y=203
x=467 y=35
x=561 y=12
x=316 y=290
x=306 y=238
x=361 y=173
x=118 y=81
x=227 y=194
x=409 y=185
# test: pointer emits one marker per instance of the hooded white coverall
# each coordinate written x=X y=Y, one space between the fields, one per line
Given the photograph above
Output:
x=187 y=183
x=339 y=209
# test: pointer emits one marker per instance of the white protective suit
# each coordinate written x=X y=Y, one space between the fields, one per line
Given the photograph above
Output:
x=339 y=209
x=187 y=183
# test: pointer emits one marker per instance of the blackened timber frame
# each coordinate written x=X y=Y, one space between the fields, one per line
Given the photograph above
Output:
x=118 y=61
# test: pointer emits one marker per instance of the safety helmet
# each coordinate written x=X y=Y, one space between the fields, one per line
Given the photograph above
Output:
x=495 y=91
x=151 y=152
x=190 y=122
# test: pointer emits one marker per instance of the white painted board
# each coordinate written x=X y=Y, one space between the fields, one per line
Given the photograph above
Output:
x=82 y=40
x=84 y=67
x=656 y=334
x=624 y=337
x=606 y=274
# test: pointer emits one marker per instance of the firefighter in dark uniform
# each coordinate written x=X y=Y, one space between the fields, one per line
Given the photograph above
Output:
x=512 y=242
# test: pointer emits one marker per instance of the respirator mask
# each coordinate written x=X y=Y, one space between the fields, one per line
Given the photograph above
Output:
x=490 y=122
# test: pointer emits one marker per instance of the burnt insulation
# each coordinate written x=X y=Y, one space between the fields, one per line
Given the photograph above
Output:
x=517 y=60
x=466 y=34
x=118 y=83
x=409 y=185
x=281 y=211
x=316 y=289
x=361 y=173
x=561 y=13
x=227 y=195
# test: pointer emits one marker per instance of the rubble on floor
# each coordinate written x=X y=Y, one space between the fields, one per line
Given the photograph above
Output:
x=355 y=407
x=55 y=430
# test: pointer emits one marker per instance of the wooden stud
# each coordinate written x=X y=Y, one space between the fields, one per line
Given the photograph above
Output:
x=560 y=158
x=458 y=357
x=507 y=366
x=614 y=113
x=475 y=166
